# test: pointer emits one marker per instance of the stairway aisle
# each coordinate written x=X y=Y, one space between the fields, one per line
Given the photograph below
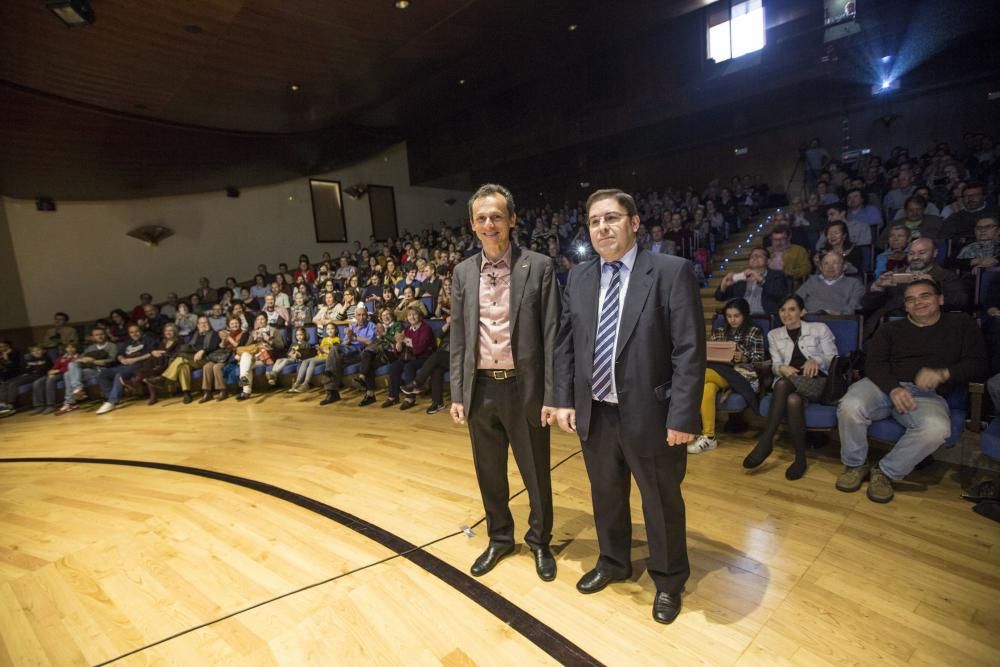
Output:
x=732 y=256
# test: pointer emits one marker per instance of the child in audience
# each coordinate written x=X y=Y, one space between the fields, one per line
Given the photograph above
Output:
x=33 y=366
x=299 y=352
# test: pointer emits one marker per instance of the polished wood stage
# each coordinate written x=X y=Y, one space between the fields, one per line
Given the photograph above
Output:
x=271 y=532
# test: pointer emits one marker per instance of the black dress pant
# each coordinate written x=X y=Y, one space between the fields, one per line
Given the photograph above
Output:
x=497 y=420
x=434 y=369
x=610 y=462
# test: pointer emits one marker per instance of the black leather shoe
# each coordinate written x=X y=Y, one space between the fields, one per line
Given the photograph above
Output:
x=331 y=397
x=597 y=579
x=666 y=606
x=489 y=558
x=545 y=563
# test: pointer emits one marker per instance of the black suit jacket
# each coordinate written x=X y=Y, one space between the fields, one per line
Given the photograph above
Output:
x=534 y=316
x=660 y=353
x=775 y=288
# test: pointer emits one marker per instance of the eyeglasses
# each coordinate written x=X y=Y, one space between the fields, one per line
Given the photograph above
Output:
x=607 y=218
x=923 y=296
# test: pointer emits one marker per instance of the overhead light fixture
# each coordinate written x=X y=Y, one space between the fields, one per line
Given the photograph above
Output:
x=74 y=13
x=572 y=27
x=402 y=4
x=151 y=235
x=356 y=191
x=294 y=87
x=461 y=82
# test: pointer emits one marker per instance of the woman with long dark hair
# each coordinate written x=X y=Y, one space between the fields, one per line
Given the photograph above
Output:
x=739 y=376
x=801 y=353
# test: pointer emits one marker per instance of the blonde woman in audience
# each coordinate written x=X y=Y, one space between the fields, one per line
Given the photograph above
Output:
x=264 y=340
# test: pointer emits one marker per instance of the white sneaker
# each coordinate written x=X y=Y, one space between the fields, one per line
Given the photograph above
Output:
x=702 y=444
x=105 y=408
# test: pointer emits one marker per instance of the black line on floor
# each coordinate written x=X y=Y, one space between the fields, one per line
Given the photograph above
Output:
x=532 y=629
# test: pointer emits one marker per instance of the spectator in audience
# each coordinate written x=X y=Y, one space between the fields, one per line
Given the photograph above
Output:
x=263 y=345
x=305 y=271
x=407 y=300
x=443 y=308
x=278 y=294
x=826 y=197
x=260 y=289
x=372 y=293
x=761 y=287
x=193 y=354
x=43 y=390
x=831 y=291
x=277 y=316
x=379 y=352
x=910 y=365
x=918 y=223
x=897 y=196
x=860 y=232
x=233 y=337
x=139 y=311
x=185 y=321
x=791 y=259
x=112 y=379
x=161 y=357
x=885 y=295
x=299 y=350
x=152 y=322
x=344 y=311
x=801 y=353
x=981 y=253
x=60 y=334
x=357 y=336
x=413 y=346
x=344 y=271
x=311 y=356
x=929 y=207
x=738 y=375
x=240 y=312
x=409 y=280
x=197 y=307
x=217 y=318
x=100 y=354
x=433 y=369
x=960 y=226
x=657 y=243
x=392 y=274
x=169 y=309
x=300 y=314
x=860 y=213
x=30 y=368
x=894 y=257
x=432 y=286
x=206 y=293
x=326 y=313
x=836 y=238
x=116 y=328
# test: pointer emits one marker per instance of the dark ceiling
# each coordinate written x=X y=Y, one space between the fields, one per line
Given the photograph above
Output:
x=165 y=97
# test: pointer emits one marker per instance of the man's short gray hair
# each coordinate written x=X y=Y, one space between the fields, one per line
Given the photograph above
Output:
x=489 y=189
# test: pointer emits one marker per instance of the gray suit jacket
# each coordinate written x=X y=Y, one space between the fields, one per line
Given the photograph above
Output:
x=659 y=357
x=534 y=317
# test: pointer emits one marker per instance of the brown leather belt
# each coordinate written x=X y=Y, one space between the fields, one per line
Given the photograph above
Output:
x=497 y=374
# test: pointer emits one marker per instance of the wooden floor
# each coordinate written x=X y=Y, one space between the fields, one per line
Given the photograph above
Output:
x=137 y=565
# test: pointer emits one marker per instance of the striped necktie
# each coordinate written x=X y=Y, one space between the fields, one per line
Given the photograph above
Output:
x=607 y=328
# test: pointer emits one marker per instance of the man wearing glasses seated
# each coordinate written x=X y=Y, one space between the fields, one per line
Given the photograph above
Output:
x=910 y=365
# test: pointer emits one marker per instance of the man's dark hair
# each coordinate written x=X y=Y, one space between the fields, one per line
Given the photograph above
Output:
x=929 y=282
x=624 y=199
x=489 y=189
x=977 y=185
x=779 y=229
x=838 y=206
x=915 y=198
x=62 y=315
x=858 y=190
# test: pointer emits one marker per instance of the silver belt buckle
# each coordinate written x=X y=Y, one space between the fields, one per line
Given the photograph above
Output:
x=499 y=375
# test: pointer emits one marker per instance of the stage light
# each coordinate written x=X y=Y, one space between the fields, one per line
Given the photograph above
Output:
x=74 y=13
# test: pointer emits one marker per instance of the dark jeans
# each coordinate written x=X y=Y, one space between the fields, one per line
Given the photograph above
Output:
x=340 y=356
x=109 y=378
x=370 y=361
x=402 y=371
x=43 y=391
x=434 y=369
x=8 y=389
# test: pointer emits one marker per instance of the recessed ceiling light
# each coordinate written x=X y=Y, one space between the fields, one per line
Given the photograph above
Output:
x=294 y=87
x=461 y=82
x=572 y=27
x=402 y=4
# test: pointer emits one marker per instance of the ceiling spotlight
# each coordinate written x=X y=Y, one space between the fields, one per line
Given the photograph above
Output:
x=572 y=27
x=461 y=82
x=294 y=87
x=402 y=4
x=74 y=13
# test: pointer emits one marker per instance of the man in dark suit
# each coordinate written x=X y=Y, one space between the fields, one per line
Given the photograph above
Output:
x=763 y=288
x=630 y=366
x=505 y=311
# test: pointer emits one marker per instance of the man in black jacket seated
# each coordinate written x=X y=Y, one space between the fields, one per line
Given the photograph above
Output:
x=910 y=365
x=762 y=288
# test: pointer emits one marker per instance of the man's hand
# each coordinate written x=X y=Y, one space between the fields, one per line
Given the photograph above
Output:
x=727 y=280
x=548 y=415
x=199 y=354
x=930 y=378
x=884 y=281
x=566 y=417
x=458 y=413
x=902 y=400
x=678 y=437
x=158 y=353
